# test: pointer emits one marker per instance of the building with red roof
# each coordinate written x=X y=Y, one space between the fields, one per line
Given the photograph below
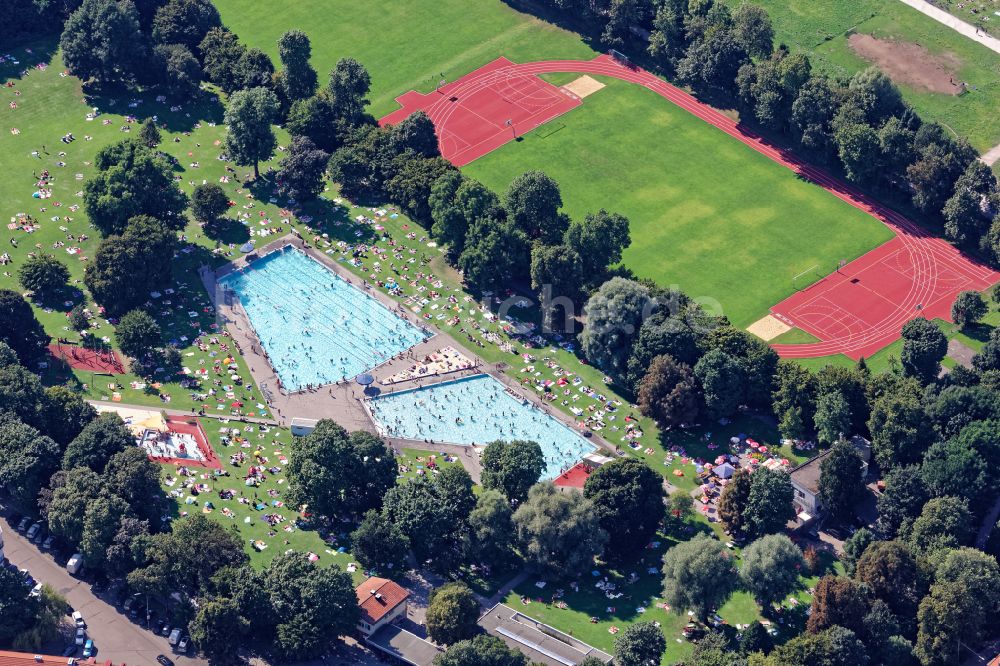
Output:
x=381 y=601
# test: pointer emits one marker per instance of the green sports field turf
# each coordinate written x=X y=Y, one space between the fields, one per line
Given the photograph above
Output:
x=708 y=214
x=405 y=44
x=821 y=30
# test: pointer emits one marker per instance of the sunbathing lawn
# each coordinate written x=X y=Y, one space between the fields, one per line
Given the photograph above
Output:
x=454 y=38
x=736 y=239
x=821 y=30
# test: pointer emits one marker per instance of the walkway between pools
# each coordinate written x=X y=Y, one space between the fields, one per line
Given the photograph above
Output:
x=856 y=311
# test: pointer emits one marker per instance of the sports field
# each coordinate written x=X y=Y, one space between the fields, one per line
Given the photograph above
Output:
x=823 y=30
x=708 y=214
x=405 y=44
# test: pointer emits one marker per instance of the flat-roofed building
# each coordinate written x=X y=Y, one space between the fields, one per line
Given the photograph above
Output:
x=538 y=641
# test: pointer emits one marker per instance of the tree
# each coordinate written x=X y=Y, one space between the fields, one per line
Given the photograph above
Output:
x=628 y=499
x=126 y=552
x=812 y=112
x=841 y=480
x=411 y=182
x=20 y=330
x=968 y=308
x=131 y=475
x=955 y=468
x=22 y=395
x=752 y=30
x=640 y=644
x=138 y=334
x=615 y=314
x=794 y=399
x=723 y=383
x=43 y=274
x=755 y=639
x=899 y=425
x=179 y=68
x=533 y=201
x=66 y=414
x=101 y=439
x=221 y=51
x=669 y=393
x=835 y=646
x=126 y=268
x=833 y=417
x=974 y=578
x=491 y=527
x=69 y=503
x=28 y=460
x=100 y=525
x=495 y=253
x=944 y=523
x=890 y=570
x=599 y=240
x=663 y=335
x=101 y=40
x=452 y=613
x=837 y=601
x=311 y=605
x=298 y=79
x=556 y=273
x=988 y=358
x=558 y=533
x=512 y=467
x=250 y=138
x=185 y=22
x=769 y=503
x=415 y=133
x=149 y=133
x=771 y=568
x=254 y=70
x=698 y=575
x=132 y=180
x=854 y=546
x=712 y=63
x=733 y=501
x=303 y=170
x=379 y=544
x=331 y=471
x=482 y=650
x=209 y=202
x=902 y=500
x=18 y=609
x=217 y=627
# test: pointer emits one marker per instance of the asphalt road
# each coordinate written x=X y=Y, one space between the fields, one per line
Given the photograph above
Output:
x=115 y=636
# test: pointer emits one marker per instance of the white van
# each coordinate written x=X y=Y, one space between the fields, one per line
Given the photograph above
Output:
x=75 y=563
x=175 y=636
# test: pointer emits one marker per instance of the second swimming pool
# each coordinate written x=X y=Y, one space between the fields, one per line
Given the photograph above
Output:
x=316 y=328
x=477 y=410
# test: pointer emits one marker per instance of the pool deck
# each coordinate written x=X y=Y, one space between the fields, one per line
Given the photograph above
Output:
x=344 y=402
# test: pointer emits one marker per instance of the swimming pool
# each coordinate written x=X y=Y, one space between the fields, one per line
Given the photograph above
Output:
x=316 y=328
x=477 y=410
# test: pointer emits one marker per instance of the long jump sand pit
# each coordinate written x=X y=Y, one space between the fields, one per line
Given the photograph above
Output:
x=909 y=64
x=768 y=328
x=583 y=86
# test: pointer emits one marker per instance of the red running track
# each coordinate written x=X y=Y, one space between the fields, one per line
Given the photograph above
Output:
x=855 y=311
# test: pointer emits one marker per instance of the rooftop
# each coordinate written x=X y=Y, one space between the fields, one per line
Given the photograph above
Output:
x=404 y=645
x=807 y=474
x=539 y=642
x=29 y=659
x=377 y=597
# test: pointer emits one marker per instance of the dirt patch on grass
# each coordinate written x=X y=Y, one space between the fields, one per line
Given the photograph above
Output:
x=909 y=64
x=583 y=86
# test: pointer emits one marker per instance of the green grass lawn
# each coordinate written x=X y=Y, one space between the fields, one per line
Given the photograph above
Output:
x=722 y=222
x=405 y=44
x=821 y=29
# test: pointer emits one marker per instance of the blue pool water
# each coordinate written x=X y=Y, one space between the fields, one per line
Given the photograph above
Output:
x=477 y=410
x=316 y=328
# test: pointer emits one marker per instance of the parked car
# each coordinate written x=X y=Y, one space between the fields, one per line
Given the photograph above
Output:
x=88 y=648
x=81 y=636
x=165 y=629
x=48 y=543
x=74 y=563
x=40 y=536
x=175 y=637
x=24 y=524
x=36 y=591
x=182 y=647
x=164 y=660
x=69 y=651
x=78 y=619
x=33 y=531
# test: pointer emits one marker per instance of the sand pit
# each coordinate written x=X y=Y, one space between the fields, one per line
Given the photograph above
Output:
x=768 y=328
x=909 y=64
x=583 y=86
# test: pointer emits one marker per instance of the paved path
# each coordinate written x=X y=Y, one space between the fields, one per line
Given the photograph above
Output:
x=181 y=412
x=924 y=256
x=955 y=23
x=991 y=156
x=114 y=635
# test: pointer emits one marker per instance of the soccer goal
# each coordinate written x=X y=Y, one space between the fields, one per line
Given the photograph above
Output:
x=621 y=58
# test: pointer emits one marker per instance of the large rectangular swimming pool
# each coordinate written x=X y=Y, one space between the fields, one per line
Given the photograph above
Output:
x=315 y=327
x=477 y=410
